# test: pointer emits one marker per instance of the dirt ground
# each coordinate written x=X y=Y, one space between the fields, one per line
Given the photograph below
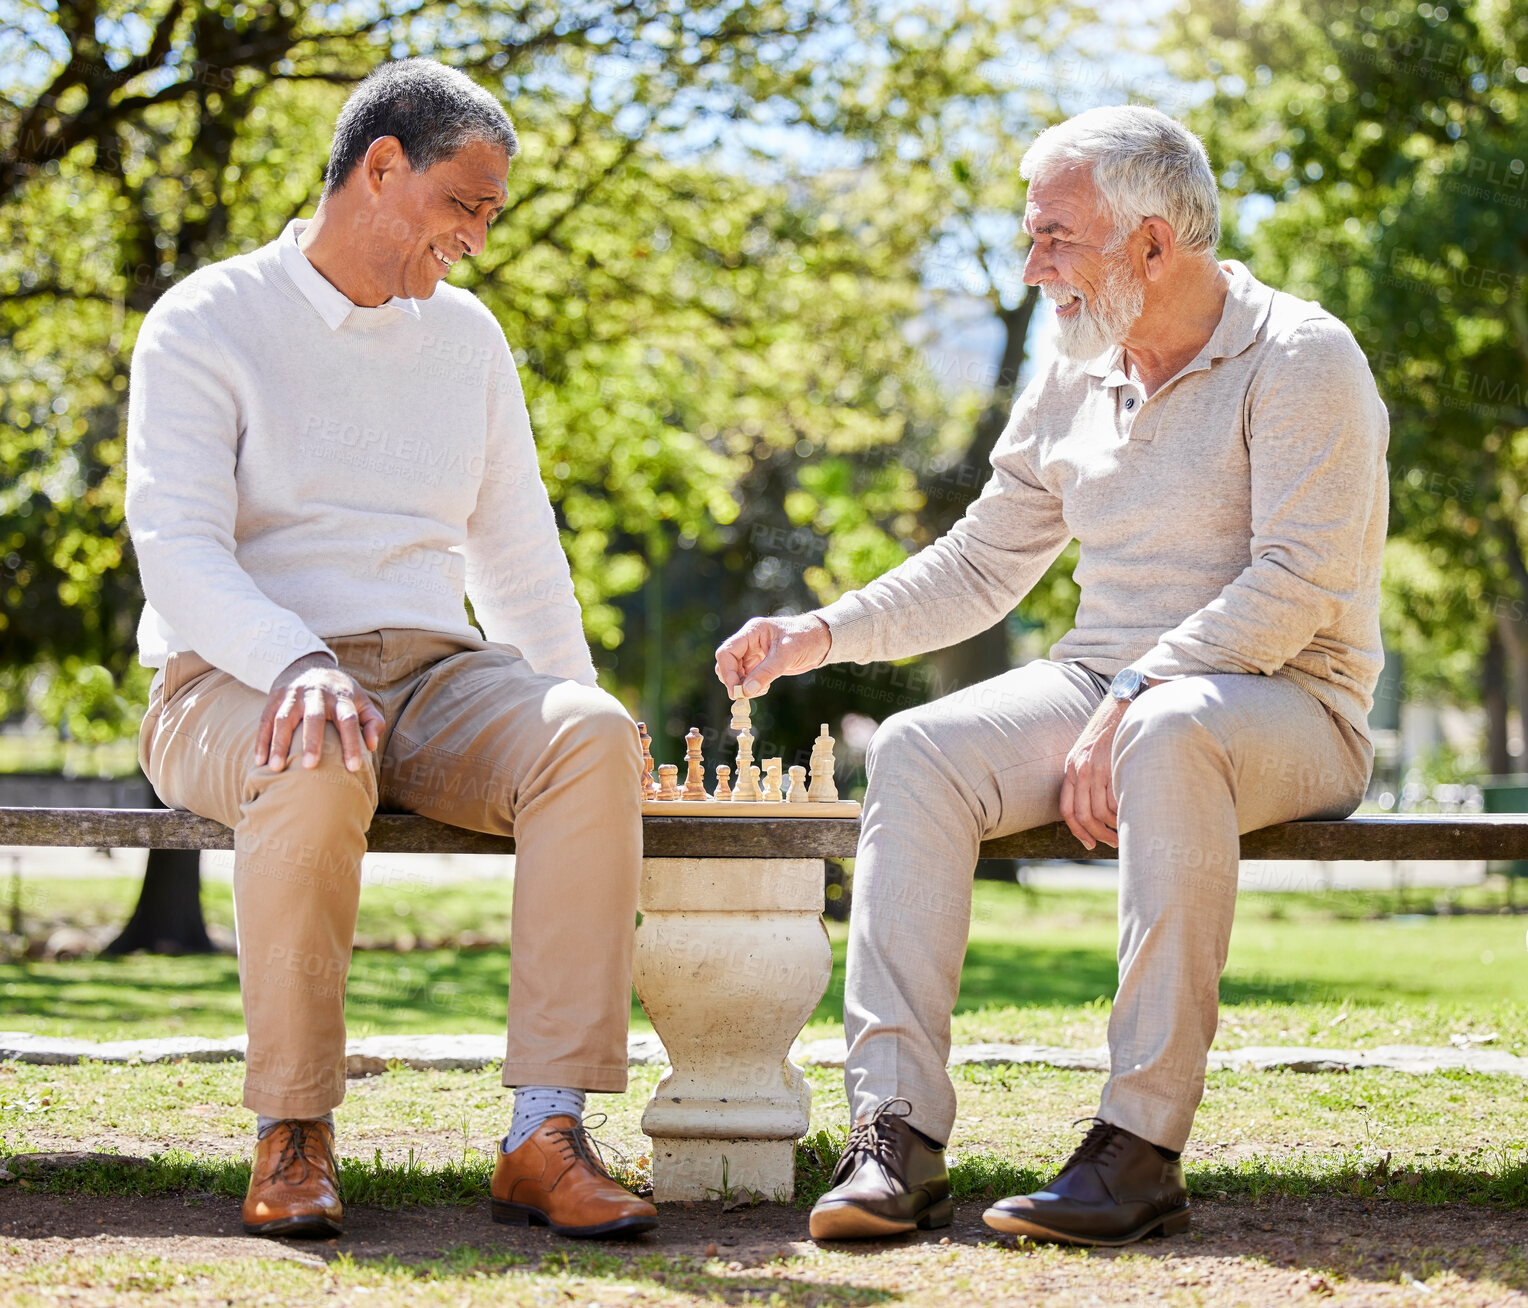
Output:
x=1254 y=1253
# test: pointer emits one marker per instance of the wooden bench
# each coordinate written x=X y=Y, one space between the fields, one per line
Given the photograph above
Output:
x=731 y=956
x=1420 y=836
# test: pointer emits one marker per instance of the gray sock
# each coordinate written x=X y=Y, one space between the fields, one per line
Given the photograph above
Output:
x=264 y=1124
x=534 y=1104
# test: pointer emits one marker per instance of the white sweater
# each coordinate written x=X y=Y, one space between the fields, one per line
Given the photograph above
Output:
x=301 y=468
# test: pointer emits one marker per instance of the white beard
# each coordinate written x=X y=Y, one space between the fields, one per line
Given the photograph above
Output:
x=1105 y=320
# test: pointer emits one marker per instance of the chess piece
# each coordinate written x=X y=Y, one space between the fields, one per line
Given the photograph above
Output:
x=723 y=787
x=668 y=781
x=744 y=762
x=747 y=776
x=797 y=793
x=774 y=790
x=742 y=715
x=822 y=789
x=648 y=785
x=695 y=776
x=742 y=723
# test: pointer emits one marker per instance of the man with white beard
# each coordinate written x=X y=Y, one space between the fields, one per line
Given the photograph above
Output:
x=1217 y=448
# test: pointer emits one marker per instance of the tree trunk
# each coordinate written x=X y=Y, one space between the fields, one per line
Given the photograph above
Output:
x=168 y=916
x=1493 y=697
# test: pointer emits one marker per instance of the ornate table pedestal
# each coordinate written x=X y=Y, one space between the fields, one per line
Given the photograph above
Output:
x=731 y=960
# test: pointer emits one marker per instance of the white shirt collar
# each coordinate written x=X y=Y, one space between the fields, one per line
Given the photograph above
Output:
x=332 y=304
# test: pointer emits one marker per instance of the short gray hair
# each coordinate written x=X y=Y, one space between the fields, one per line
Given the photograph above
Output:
x=1145 y=165
x=434 y=111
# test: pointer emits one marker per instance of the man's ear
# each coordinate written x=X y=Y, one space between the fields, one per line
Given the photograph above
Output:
x=384 y=159
x=1160 y=247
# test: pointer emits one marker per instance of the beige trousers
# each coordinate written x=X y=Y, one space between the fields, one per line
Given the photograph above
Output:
x=1196 y=762
x=475 y=738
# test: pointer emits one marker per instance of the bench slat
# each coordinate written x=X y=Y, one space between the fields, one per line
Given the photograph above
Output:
x=1408 y=836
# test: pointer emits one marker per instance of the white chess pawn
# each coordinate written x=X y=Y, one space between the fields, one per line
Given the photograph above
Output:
x=774 y=789
x=797 y=793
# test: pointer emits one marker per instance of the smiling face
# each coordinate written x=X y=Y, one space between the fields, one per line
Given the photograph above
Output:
x=1078 y=261
x=422 y=223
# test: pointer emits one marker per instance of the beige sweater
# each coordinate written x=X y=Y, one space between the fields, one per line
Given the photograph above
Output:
x=1232 y=523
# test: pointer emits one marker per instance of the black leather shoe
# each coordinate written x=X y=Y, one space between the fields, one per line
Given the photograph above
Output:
x=1114 y=1189
x=889 y=1180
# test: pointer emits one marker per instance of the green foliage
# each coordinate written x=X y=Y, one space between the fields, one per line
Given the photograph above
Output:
x=682 y=322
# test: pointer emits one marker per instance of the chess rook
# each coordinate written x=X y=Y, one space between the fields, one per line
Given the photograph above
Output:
x=668 y=782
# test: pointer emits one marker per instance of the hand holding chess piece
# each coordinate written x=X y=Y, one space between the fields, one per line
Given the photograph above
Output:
x=766 y=648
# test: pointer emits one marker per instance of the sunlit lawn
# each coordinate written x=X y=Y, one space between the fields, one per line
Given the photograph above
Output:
x=1040 y=967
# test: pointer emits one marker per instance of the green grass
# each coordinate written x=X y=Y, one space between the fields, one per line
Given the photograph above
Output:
x=411 y=1137
x=1304 y=968
x=48 y=754
x=493 y=1278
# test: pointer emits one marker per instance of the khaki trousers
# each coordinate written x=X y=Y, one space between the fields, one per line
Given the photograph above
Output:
x=475 y=738
x=1196 y=762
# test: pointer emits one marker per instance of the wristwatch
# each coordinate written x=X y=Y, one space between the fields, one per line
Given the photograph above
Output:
x=1127 y=684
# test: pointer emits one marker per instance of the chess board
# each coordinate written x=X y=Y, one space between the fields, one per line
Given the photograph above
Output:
x=726 y=808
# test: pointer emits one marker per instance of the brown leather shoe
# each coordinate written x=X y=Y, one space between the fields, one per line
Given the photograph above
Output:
x=556 y=1179
x=1115 y=1189
x=889 y=1180
x=293 y=1183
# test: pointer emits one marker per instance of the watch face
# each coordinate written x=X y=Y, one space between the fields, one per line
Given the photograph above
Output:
x=1127 y=685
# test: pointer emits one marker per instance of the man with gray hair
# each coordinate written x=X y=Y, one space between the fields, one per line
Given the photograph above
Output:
x=1217 y=448
x=328 y=449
